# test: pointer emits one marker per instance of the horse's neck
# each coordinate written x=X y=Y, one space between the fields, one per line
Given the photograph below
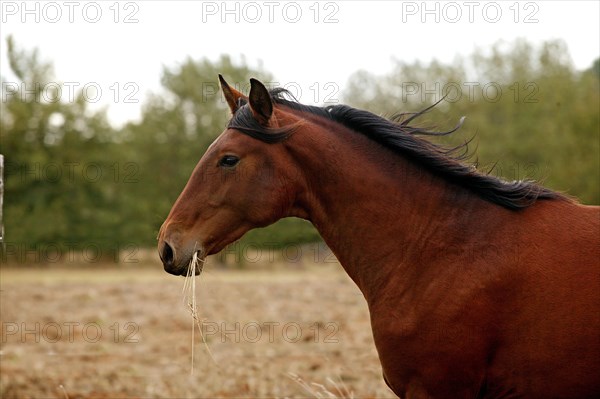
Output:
x=379 y=213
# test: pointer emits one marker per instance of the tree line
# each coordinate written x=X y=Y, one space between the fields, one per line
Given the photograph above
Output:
x=74 y=180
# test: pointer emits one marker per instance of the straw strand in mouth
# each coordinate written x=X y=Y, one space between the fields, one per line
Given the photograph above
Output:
x=189 y=296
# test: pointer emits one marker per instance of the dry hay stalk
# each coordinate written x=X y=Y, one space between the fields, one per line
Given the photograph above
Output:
x=189 y=296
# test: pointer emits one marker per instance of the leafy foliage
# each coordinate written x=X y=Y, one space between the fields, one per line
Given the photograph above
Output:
x=531 y=114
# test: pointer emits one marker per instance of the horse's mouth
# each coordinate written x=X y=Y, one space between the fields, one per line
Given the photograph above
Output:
x=189 y=267
x=184 y=271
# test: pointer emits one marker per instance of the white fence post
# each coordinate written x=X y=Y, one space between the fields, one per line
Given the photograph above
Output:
x=1 y=197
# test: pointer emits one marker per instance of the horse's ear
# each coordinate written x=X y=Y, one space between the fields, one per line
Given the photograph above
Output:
x=260 y=102
x=231 y=95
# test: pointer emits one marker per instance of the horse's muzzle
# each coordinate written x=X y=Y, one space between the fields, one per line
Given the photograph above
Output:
x=177 y=261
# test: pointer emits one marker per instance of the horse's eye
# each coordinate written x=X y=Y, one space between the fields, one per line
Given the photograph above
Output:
x=229 y=161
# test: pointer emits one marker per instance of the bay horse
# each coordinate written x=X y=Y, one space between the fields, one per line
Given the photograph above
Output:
x=476 y=287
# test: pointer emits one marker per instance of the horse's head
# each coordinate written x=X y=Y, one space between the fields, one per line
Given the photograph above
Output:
x=240 y=183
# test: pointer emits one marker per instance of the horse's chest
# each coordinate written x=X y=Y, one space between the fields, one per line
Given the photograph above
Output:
x=432 y=360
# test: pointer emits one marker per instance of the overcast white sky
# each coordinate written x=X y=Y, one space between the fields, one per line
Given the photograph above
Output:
x=301 y=43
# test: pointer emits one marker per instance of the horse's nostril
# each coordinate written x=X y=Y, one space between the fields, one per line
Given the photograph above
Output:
x=167 y=254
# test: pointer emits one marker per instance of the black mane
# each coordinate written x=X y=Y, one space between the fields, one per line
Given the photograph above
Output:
x=398 y=135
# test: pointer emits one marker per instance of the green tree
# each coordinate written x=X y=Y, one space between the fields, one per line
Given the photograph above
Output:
x=533 y=114
x=58 y=154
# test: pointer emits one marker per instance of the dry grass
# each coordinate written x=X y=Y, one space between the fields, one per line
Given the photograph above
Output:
x=189 y=296
x=150 y=357
x=320 y=391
